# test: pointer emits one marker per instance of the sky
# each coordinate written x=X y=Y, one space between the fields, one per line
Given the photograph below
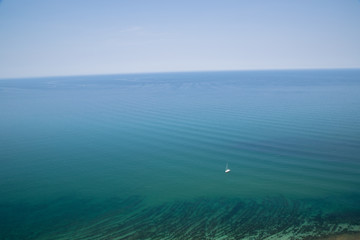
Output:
x=84 y=37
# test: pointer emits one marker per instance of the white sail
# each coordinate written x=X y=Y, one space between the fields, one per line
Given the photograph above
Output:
x=227 y=169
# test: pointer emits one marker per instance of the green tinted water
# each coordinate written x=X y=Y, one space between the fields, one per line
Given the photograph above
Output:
x=143 y=156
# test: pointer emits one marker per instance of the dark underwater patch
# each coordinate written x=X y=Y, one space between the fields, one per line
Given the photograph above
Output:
x=202 y=218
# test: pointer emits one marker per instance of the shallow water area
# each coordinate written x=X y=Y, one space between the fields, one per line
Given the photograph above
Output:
x=143 y=156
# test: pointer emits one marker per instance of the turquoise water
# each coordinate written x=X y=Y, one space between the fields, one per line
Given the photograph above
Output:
x=143 y=156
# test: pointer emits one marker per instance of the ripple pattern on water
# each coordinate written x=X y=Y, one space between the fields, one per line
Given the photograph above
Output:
x=203 y=218
x=166 y=138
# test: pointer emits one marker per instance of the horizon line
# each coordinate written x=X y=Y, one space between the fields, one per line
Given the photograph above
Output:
x=181 y=71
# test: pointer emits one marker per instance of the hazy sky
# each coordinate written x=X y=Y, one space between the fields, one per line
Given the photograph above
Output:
x=72 y=37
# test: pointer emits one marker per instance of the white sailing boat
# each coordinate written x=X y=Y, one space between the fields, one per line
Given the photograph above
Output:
x=227 y=169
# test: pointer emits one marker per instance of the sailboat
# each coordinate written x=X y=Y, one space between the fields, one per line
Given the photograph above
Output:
x=227 y=169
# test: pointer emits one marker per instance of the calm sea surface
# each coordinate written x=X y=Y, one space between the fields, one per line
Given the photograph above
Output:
x=143 y=156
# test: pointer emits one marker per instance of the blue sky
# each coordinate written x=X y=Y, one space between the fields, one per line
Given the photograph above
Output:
x=76 y=37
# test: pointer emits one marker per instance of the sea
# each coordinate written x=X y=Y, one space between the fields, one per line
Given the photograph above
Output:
x=143 y=156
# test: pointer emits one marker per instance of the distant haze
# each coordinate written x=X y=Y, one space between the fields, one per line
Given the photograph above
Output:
x=53 y=38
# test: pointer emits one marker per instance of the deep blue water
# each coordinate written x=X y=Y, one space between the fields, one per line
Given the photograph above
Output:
x=143 y=156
